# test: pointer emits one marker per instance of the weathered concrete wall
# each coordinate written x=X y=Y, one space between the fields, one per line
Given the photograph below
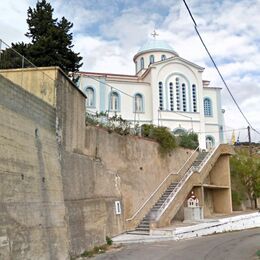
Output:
x=38 y=81
x=59 y=178
x=137 y=165
x=90 y=209
x=32 y=211
x=99 y=168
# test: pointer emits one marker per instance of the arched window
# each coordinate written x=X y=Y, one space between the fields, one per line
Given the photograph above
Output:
x=136 y=67
x=114 y=104
x=90 y=93
x=171 y=96
x=207 y=107
x=179 y=131
x=142 y=63
x=177 y=85
x=138 y=103
x=160 y=95
x=151 y=59
x=210 y=142
x=184 y=102
x=194 y=98
x=163 y=57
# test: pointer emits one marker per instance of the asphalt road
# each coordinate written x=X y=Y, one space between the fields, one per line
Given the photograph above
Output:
x=241 y=245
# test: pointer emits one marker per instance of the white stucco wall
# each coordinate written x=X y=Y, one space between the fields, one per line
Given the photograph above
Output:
x=146 y=56
x=165 y=72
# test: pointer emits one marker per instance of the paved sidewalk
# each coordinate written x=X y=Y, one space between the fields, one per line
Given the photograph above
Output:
x=190 y=230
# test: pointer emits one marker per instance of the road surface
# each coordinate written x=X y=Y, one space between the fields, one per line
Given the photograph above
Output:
x=241 y=245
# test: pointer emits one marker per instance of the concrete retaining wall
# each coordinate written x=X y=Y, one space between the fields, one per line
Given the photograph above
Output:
x=59 y=179
x=32 y=211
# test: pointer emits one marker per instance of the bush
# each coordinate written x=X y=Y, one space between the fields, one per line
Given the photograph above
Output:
x=146 y=130
x=109 y=241
x=165 y=138
x=162 y=135
x=189 y=140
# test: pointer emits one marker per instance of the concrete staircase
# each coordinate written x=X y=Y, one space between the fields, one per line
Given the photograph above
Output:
x=144 y=225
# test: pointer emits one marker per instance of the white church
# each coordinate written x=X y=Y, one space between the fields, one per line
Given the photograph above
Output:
x=166 y=90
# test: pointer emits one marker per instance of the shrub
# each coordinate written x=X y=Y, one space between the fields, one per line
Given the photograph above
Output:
x=109 y=241
x=146 y=130
x=165 y=138
x=189 y=140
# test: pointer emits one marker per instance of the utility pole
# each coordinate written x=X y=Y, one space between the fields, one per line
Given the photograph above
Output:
x=249 y=141
x=250 y=154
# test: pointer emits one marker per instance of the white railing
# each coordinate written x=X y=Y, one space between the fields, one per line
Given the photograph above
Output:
x=166 y=178
x=206 y=158
x=180 y=184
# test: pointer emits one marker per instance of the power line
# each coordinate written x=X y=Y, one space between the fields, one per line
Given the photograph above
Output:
x=216 y=67
x=224 y=131
x=110 y=86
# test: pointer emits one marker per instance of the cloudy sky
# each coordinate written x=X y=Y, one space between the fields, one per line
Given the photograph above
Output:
x=108 y=33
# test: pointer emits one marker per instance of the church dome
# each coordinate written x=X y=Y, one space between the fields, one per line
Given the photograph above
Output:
x=155 y=45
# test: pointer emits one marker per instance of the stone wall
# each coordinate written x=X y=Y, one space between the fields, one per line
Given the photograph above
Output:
x=32 y=211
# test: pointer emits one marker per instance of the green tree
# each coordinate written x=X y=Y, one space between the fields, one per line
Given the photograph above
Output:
x=51 y=40
x=245 y=174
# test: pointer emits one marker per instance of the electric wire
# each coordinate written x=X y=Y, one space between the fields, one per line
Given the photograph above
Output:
x=216 y=67
x=112 y=87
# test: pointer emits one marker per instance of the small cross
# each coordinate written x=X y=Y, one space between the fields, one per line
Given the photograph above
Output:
x=154 y=34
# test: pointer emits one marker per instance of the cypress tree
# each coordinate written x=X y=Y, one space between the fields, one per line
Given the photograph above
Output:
x=51 y=40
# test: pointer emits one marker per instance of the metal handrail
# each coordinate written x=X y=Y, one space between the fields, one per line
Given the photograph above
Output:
x=166 y=178
x=180 y=184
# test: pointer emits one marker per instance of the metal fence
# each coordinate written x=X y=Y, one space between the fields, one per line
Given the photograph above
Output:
x=18 y=69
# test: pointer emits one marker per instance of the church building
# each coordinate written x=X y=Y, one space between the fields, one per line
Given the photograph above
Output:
x=166 y=90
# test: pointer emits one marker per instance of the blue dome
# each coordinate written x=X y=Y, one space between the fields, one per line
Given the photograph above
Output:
x=154 y=44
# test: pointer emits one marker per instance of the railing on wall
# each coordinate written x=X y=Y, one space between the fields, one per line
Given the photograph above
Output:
x=17 y=68
x=183 y=180
x=186 y=164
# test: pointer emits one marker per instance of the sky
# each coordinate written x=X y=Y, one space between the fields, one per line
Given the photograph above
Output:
x=108 y=33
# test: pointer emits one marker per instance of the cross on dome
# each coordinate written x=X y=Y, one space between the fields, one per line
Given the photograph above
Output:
x=154 y=34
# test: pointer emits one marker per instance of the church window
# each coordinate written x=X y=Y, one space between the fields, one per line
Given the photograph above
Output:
x=171 y=97
x=142 y=63
x=138 y=103
x=178 y=103
x=151 y=59
x=184 y=102
x=136 y=67
x=194 y=98
x=207 y=107
x=163 y=57
x=90 y=97
x=160 y=96
x=114 y=101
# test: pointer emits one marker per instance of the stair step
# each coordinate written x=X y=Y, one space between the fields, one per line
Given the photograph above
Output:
x=142 y=229
x=143 y=226
x=135 y=232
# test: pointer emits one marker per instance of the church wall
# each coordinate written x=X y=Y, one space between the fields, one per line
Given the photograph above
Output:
x=127 y=102
x=89 y=82
x=212 y=94
x=213 y=123
x=146 y=56
x=213 y=130
x=163 y=72
x=102 y=91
